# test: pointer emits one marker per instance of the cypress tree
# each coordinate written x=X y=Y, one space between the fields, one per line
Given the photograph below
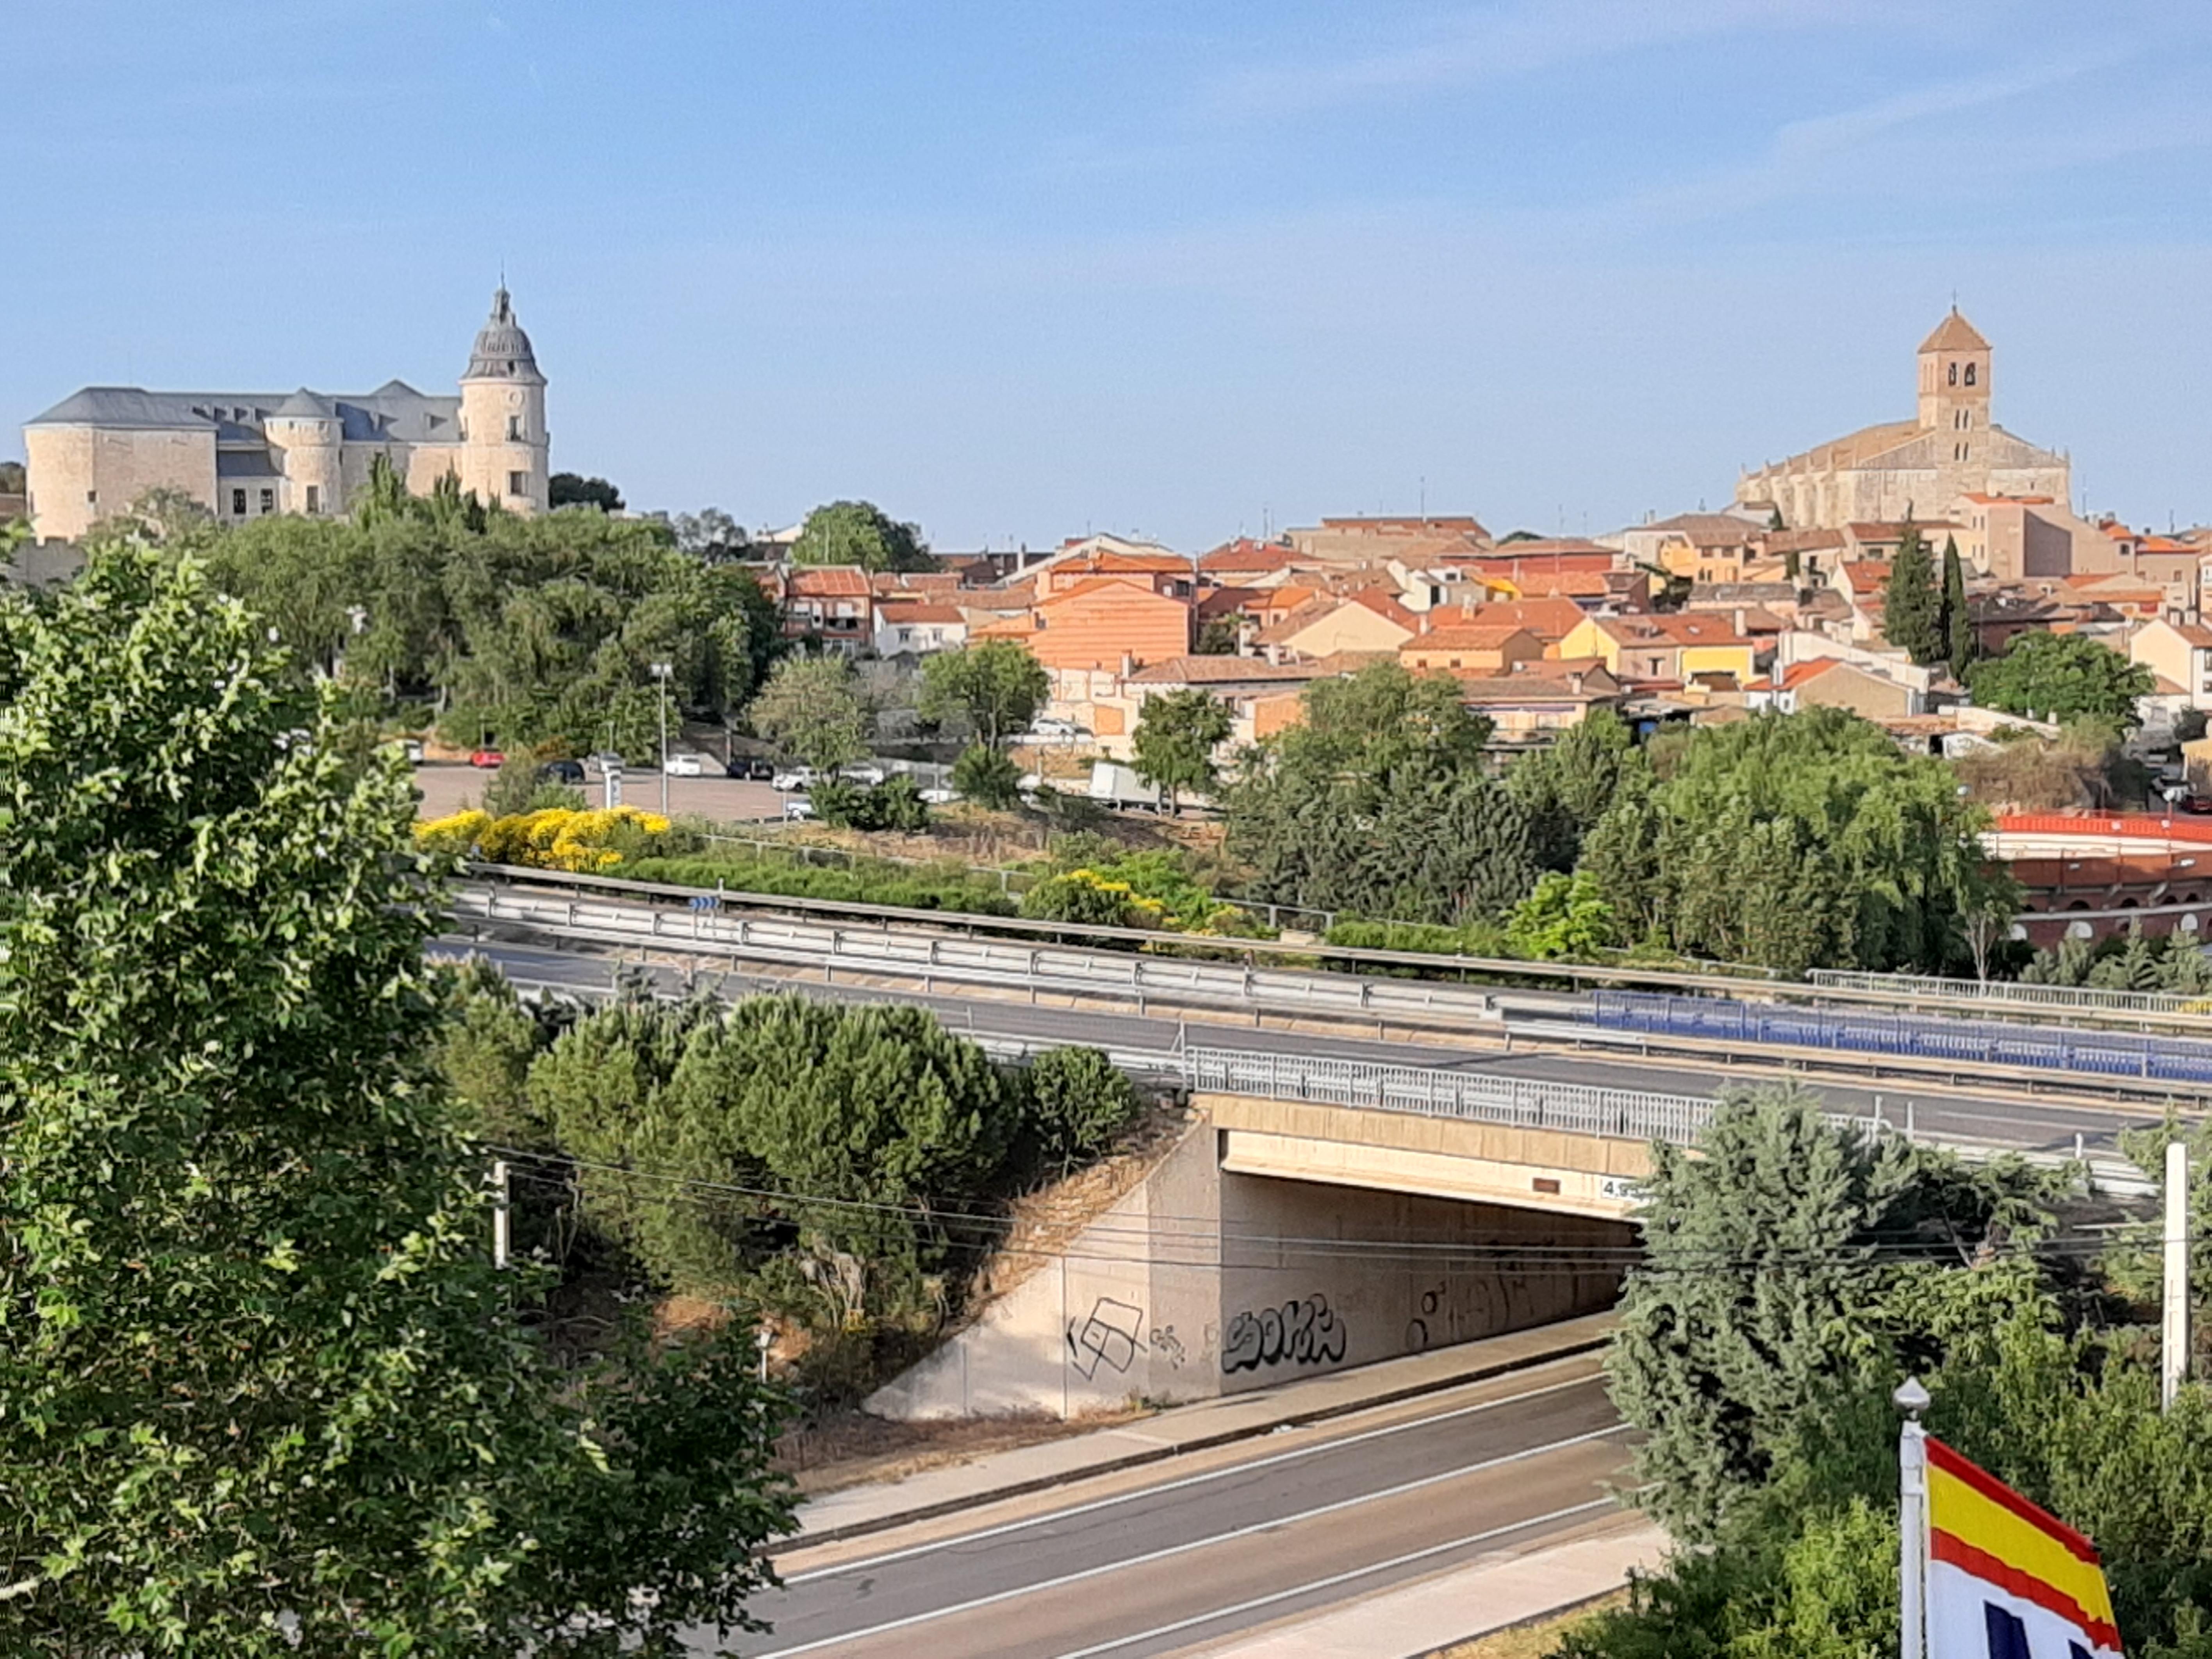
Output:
x=1911 y=620
x=1958 y=620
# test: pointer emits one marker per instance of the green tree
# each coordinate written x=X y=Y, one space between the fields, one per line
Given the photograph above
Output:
x=1566 y=917
x=1911 y=603
x=13 y=479
x=2061 y=676
x=1567 y=788
x=1177 y=733
x=268 y=1395
x=1076 y=1102
x=988 y=777
x=812 y=707
x=1787 y=1261
x=1219 y=637
x=860 y=533
x=993 y=688
x=1795 y=841
x=1955 y=620
x=574 y=490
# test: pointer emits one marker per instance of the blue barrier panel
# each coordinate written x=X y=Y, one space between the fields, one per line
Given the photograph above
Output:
x=2102 y=1054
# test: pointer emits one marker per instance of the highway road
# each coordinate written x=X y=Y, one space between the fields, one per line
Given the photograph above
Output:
x=1159 y=1560
x=1980 y=1116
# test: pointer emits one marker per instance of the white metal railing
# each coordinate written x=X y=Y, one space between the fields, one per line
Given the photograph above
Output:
x=2011 y=993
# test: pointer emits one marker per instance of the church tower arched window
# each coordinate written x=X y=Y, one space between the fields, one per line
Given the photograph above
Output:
x=1970 y=374
x=1954 y=374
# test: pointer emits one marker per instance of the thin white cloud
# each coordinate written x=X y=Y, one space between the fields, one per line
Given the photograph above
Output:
x=1500 y=41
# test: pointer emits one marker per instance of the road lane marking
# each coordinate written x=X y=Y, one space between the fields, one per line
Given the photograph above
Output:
x=1173 y=1550
x=1334 y=1579
x=864 y=1564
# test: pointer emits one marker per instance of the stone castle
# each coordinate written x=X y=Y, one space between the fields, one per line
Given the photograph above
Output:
x=244 y=455
x=1916 y=468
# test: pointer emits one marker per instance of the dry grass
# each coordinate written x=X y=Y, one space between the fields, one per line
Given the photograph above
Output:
x=854 y=1448
x=1535 y=1640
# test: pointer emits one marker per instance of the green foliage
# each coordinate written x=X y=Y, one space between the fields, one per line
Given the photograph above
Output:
x=2125 y=962
x=1956 y=618
x=1797 y=841
x=1567 y=788
x=1379 y=805
x=1785 y=1261
x=574 y=490
x=1478 y=940
x=832 y=1164
x=1912 y=605
x=1566 y=917
x=895 y=804
x=865 y=881
x=532 y=631
x=2058 y=677
x=812 y=708
x=862 y=533
x=992 y=689
x=1219 y=637
x=1076 y=1102
x=1177 y=733
x=258 y=1360
x=987 y=776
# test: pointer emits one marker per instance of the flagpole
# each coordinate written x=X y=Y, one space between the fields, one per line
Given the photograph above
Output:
x=1912 y=1519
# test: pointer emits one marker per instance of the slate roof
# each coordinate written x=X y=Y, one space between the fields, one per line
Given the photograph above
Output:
x=394 y=411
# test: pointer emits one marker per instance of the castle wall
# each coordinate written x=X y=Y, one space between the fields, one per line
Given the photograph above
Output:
x=81 y=474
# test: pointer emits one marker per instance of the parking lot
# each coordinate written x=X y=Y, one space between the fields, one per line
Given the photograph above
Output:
x=448 y=786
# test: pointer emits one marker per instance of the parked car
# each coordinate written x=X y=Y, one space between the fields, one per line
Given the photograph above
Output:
x=606 y=760
x=794 y=779
x=750 y=767
x=412 y=748
x=488 y=759
x=686 y=766
x=867 y=774
x=798 y=811
x=2200 y=805
x=1053 y=727
x=940 y=796
x=563 y=771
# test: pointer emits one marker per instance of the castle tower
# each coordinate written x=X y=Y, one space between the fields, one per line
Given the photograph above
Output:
x=1955 y=383
x=504 y=443
x=306 y=429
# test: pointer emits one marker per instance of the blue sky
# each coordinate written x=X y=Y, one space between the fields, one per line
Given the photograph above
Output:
x=1017 y=270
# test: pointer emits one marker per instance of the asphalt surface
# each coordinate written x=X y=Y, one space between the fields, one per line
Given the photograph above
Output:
x=1980 y=1116
x=1155 y=1562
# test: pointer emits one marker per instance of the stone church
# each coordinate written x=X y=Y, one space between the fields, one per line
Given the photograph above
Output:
x=246 y=455
x=1916 y=468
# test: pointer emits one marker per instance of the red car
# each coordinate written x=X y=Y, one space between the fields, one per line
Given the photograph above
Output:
x=2196 y=804
x=489 y=759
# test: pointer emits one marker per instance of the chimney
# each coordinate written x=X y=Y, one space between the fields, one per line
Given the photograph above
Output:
x=1738 y=621
x=1575 y=678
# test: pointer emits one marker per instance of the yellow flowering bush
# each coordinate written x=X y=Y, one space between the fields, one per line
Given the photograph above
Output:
x=587 y=842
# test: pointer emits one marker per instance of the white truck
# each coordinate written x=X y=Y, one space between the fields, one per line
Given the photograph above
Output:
x=1113 y=784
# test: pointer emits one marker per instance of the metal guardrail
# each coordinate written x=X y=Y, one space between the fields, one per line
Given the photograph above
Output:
x=2100 y=1053
x=1474 y=1096
x=932 y=957
x=2014 y=994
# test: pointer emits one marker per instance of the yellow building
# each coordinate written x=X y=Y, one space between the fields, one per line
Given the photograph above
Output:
x=1676 y=645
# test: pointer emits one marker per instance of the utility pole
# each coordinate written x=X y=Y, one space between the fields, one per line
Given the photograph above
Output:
x=1911 y=1399
x=660 y=673
x=499 y=1215
x=2173 y=1353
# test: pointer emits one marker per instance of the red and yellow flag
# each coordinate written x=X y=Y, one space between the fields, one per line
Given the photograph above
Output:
x=2006 y=1579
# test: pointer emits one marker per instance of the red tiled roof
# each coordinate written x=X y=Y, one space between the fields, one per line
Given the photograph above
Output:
x=900 y=610
x=828 y=582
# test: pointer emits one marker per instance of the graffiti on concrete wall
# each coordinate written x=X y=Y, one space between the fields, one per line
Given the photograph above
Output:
x=1305 y=1331
x=1110 y=1338
x=1168 y=1345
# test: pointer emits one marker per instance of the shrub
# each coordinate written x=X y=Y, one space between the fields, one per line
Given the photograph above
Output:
x=1086 y=897
x=896 y=803
x=987 y=777
x=1077 y=1100
x=587 y=842
x=865 y=881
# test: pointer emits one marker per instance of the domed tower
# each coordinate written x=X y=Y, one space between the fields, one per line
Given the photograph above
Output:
x=1955 y=383
x=504 y=443
x=305 y=426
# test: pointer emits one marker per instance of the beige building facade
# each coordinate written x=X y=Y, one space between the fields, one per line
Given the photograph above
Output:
x=1907 y=468
x=247 y=455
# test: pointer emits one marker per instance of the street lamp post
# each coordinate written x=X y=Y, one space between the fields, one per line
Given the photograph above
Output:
x=661 y=670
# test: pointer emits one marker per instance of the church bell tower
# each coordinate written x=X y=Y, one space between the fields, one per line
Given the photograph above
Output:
x=1954 y=385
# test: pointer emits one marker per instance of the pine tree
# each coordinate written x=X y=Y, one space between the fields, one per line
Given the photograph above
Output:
x=1956 y=618
x=1911 y=620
